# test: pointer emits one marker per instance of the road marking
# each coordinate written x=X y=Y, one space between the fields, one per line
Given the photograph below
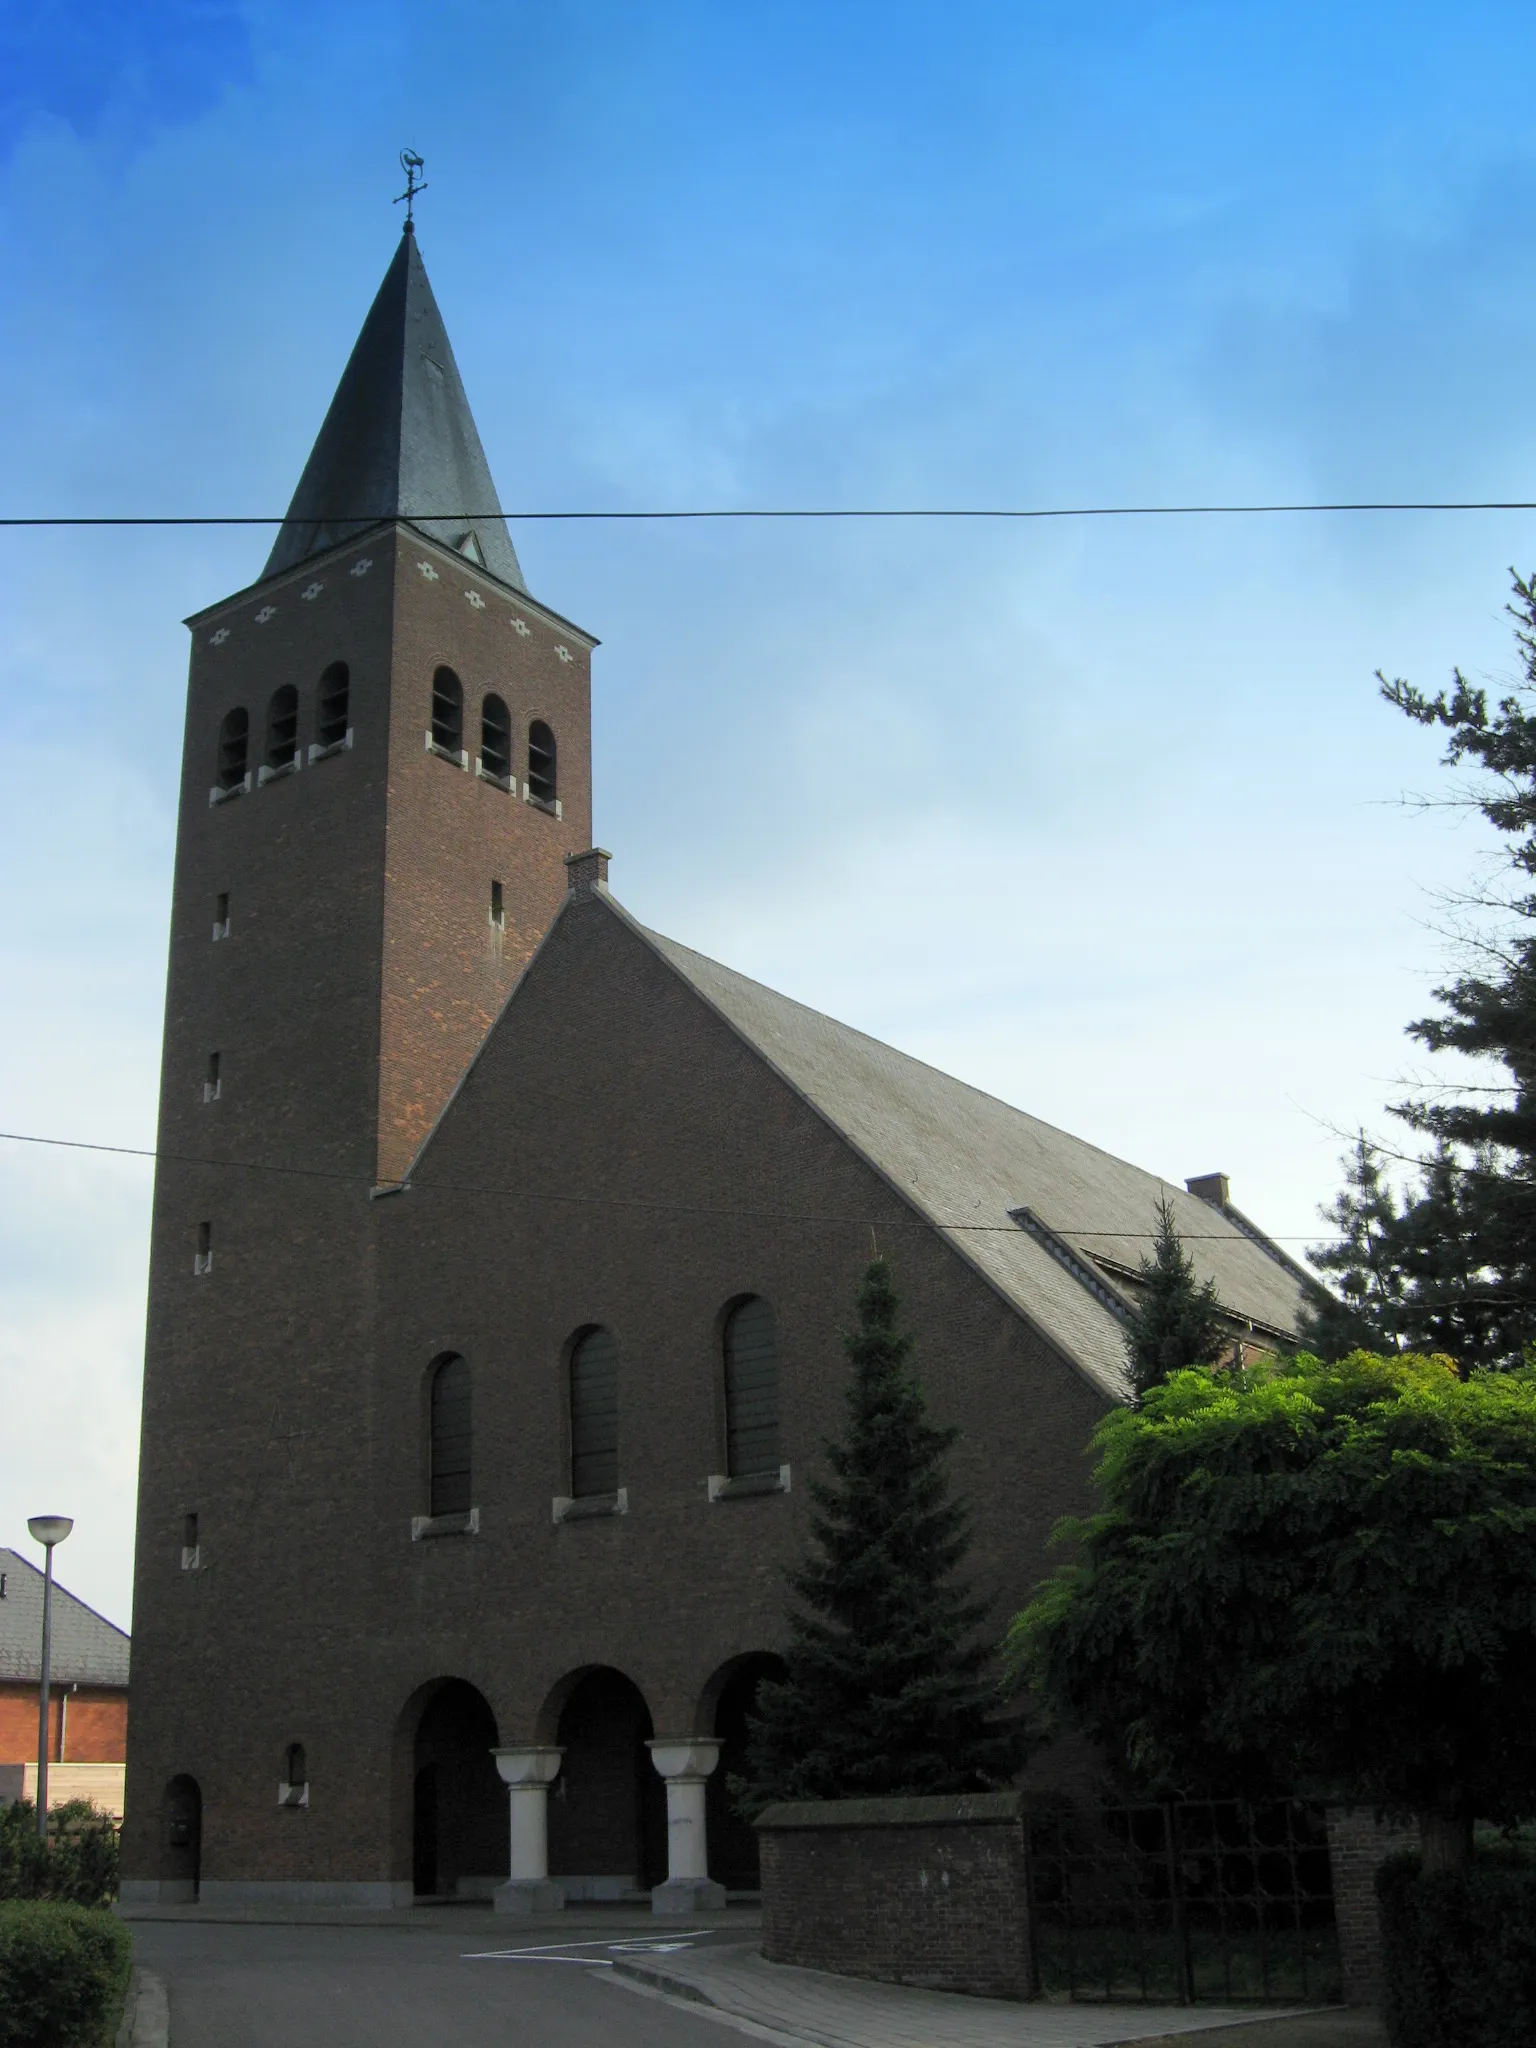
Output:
x=552 y=1951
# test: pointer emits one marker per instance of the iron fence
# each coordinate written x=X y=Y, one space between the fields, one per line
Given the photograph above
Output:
x=1173 y=1904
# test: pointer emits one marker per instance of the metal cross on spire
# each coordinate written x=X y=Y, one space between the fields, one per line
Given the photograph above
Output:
x=410 y=163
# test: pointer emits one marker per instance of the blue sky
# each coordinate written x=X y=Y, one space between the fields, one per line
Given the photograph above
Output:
x=1101 y=816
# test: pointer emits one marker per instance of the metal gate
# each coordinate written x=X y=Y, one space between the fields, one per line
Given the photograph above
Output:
x=1208 y=1899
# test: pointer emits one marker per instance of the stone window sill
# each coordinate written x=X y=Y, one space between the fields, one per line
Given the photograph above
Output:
x=459 y=760
x=423 y=1526
x=191 y=1558
x=722 y=1487
x=293 y=1795
x=218 y=796
x=550 y=805
x=506 y=782
x=341 y=746
x=264 y=774
x=590 y=1507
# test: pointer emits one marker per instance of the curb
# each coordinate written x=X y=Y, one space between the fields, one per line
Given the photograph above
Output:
x=146 y=2021
x=663 y=1980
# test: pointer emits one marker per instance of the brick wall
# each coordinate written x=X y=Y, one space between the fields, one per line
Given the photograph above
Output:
x=93 y=1725
x=914 y=1891
x=1357 y=1845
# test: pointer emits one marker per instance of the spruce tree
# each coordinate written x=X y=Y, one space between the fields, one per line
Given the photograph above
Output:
x=1177 y=1322
x=887 y=1689
x=1364 y=1309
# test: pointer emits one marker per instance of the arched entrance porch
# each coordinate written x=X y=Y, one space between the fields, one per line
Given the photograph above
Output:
x=607 y=1808
x=728 y=1699
x=458 y=1802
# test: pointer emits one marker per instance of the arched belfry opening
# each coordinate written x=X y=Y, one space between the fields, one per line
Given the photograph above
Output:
x=459 y=1804
x=730 y=1697
x=608 y=1807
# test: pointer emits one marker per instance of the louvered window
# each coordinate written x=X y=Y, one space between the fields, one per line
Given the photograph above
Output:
x=595 y=1415
x=234 y=747
x=335 y=707
x=450 y=1438
x=496 y=739
x=283 y=727
x=447 y=711
x=541 y=762
x=751 y=1390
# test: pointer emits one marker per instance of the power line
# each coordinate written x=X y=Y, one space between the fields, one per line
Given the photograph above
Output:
x=789 y=512
x=522 y=1194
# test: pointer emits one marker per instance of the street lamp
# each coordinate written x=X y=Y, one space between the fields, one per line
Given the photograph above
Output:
x=47 y=1530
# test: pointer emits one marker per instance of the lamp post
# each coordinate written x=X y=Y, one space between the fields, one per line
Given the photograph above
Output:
x=47 y=1530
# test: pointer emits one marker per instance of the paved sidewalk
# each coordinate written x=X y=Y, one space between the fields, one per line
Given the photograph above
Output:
x=853 y=2012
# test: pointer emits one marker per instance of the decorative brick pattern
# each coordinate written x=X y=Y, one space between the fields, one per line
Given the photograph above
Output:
x=928 y=1892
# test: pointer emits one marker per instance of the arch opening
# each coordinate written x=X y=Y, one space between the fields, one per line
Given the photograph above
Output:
x=459 y=1804
x=334 y=710
x=283 y=728
x=733 y=1848
x=608 y=1806
x=496 y=739
x=541 y=763
x=594 y=1402
x=234 y=748
x=447 y=712
x=181 y=1840
x=450 y=1437
x=750 y=1344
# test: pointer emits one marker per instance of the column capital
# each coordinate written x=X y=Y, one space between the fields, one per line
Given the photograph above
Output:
x=684 y=1756
x=535 y=1763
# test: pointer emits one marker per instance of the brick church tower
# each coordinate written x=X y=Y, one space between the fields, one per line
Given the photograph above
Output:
x=386 y=764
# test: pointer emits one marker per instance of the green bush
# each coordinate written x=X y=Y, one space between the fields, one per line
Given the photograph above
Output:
x=1459 y=1953
x=76 y=1866
x=63 y=1974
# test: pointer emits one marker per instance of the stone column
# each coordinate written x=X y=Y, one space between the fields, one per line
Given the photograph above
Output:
x=528 y=1771
x=685 y=1763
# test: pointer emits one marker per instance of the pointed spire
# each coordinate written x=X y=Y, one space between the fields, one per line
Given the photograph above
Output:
x=399 y=440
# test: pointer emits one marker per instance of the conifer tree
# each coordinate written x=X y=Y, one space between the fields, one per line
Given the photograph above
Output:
x=1364 y=1309
x=1177 y=1322
x=887 y=1689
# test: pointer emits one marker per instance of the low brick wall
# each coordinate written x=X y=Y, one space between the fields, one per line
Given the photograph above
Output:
x=1358 y=1844
x=913 y=1891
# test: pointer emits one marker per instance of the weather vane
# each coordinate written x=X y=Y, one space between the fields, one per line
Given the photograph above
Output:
x=410 y=163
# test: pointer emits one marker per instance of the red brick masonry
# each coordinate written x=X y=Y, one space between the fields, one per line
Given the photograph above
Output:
x=912 y=1891
x=1358 y=1844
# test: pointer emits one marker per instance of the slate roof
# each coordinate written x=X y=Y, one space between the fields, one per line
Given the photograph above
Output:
x=87 y=1648
x=399 y=440
x=963 y=1158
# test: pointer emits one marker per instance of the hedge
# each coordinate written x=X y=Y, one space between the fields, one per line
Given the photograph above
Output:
x=63 y=1974
x=77 y=1865
x=1459 y=1953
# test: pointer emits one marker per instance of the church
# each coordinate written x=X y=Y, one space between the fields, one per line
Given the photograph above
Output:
x=502 y=1248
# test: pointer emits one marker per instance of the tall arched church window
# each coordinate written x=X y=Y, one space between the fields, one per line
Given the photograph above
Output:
x=447 y=712
x=234 y=748
x=751 y=1389
x=496 y=738
x=541 y=762
x=334 y=711
x=594 y=1415
x=451 y=1437
x=283 y=727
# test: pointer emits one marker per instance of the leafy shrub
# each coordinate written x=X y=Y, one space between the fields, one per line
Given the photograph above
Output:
x=1459 y=1953
x=76 y=1866
x=63 y=1974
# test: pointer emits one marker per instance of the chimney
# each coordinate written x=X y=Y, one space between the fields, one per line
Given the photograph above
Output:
x=587 y=873
x=1211 y=1187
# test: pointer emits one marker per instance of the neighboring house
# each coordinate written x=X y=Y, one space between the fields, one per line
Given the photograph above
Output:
x=502 y=1247
x=87 y=1695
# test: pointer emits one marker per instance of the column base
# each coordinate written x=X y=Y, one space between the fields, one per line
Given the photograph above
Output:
x=682 y=1897
x=524 y=1896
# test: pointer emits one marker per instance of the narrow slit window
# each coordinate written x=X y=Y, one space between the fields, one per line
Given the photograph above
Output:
x=212 y=1084
x=496 y=739
x=189 y=1532
x=202 y=1261
x=541 y=762
x=448 y=712
x=295 y=1765
x=595 y=1415
x=451 y=1437
x=234 y=747
x=498 y=908
x=221 y=915
x=283 y=727
x=335 y=705
x=751 y=1390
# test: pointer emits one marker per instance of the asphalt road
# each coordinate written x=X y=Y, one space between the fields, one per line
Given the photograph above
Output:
x=405 y=1987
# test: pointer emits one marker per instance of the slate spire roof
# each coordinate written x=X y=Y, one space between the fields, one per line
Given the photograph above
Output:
x=87 y=1648
x=399 y=440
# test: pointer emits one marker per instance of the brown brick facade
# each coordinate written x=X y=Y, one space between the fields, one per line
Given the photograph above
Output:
x=610 y=1152
x=1358 y=1845
x=929 y=1892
